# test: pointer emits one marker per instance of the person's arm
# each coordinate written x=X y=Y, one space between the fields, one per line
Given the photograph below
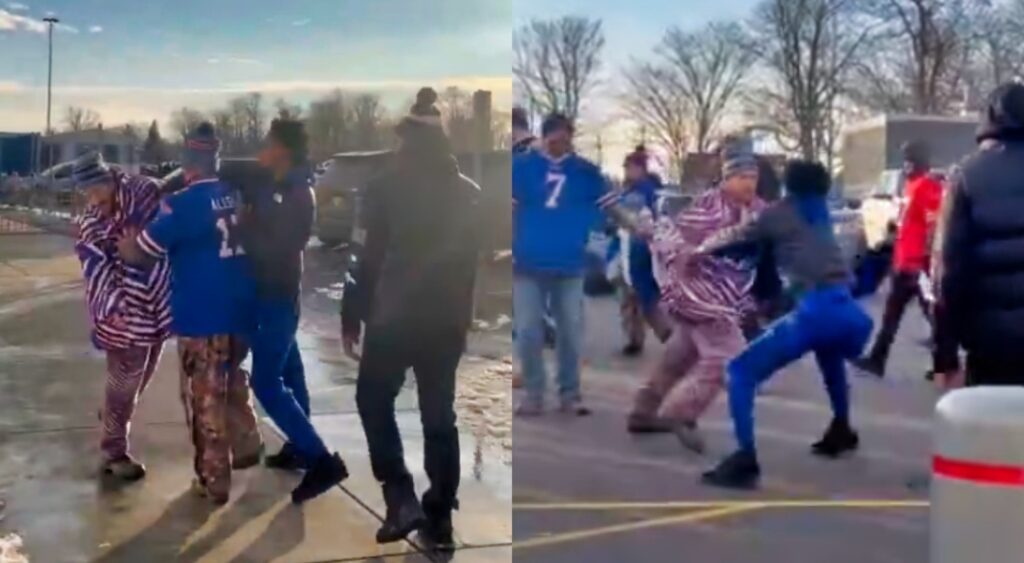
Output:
x=954 y=265
x=159 y=237
x=750 y=232
x=97 y=254
x=364 y=266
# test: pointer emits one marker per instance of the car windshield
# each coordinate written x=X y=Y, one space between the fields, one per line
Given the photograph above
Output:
x=890 y=183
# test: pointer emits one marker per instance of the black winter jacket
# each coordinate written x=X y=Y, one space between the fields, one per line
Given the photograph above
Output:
x=417 y=267
x=981 y=275
x=275 y=230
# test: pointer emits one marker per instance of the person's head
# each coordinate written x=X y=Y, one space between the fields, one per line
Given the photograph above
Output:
x=520 y=122
x=804 y=178
x=1003 y=118
x=739 y=174
x=94 y=178
x=635 y=165
x=557 y=132
x=285 y=146
x=421 y=131
x=201 y=156
x=916 y=158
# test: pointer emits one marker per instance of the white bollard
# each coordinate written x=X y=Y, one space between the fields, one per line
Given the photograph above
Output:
x=977 y=489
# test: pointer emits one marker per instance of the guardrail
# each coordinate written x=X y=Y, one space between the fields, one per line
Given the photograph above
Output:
x=23 y=211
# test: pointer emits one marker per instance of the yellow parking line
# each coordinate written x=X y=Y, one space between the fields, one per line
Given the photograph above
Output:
x=691 y=517
x=682 y=505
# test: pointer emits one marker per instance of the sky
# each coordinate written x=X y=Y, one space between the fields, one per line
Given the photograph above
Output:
x=632 y=28
x=138 y=60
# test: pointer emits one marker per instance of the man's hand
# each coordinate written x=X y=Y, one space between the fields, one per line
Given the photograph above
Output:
x=949 y=381
x=349 y=343
x=127 y=247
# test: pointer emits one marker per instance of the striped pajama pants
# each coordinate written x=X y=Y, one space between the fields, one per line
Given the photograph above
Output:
x=691 y=372
x=129 y=371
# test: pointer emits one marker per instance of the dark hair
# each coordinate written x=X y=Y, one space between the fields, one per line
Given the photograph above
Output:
x=291 y=134
x=917 y=153
x=424 y=106
x=519 y=118
x=804 y=177
x=556 y=121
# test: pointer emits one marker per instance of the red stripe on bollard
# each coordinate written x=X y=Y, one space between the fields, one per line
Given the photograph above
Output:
x=989 y=474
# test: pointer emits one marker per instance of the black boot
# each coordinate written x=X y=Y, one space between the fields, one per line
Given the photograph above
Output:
x=738 y=471
x=438 y=531
x=632 y=350
x=287 y=459
x=404 y=513
x=323 y=474
x=838 y=439
x=870 y=365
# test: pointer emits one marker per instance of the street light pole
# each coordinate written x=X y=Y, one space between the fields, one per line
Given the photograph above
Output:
x=51 y=21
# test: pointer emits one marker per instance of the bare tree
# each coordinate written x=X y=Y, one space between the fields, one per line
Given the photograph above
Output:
x=656 y=100
x=80 y=119
x=999 y=50
x=185 y=119
x=286 y=110
x=920 y=60
x=255 y=118
x=810 y=46
x=367 y=118
x=456 y=107
x=556 y=62
x=328 y=124
x=710 y=67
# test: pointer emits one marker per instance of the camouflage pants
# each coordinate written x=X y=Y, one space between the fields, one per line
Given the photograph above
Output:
x=218 y=408
x=691 y=372
x=634 y=326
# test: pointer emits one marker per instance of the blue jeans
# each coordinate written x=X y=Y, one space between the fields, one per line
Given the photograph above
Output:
x=530 y=293
x=827 y=322
x=278 y=376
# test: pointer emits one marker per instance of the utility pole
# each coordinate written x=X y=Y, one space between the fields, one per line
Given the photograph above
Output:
x=51 y=21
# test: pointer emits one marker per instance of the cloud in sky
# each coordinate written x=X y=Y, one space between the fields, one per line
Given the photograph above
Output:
x=232 y=60
x=12 y=23
x=17 y=6
x=96 y=29
x=303 y=22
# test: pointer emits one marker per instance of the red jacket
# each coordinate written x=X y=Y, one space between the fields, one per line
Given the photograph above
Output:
x=913 y=241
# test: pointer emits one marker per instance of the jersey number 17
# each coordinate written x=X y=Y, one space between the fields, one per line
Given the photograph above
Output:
x=229 y=244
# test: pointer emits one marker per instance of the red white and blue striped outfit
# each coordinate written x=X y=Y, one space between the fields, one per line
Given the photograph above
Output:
x=128 y=305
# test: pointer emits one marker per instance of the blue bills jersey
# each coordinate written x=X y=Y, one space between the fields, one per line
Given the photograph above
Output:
x=212 y=289
x=557 y=203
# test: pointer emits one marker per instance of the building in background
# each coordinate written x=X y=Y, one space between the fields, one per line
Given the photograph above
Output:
x=18 y=152
x=116 y=145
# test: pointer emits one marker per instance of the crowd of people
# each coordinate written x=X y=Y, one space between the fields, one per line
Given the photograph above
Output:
x=220 y=269
x=745 y=280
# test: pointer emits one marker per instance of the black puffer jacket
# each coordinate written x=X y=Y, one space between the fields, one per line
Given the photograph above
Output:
x=418 y=266
x=982 y=269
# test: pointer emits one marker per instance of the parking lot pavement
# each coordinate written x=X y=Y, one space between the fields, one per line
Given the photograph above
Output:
x=51 y=385
x=586 y=490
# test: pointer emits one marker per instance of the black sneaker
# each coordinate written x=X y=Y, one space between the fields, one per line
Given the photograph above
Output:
x=633 y=350
x=323 y=474
x=738 y=471
x=639 y=423
x=125 y=468
x=288 y=459
x=404 y=513
x=869 y=365
x=838 y=439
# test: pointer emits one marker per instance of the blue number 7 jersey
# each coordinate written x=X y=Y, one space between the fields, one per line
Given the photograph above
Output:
x=211 y=282
x=557 y=203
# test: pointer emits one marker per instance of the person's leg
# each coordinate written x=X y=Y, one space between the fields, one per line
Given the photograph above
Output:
x=127 y=373
x=632 y=320
x=839 y=437
x=295 y=378
x=242 y=424
x=904 y=288
x=678 y=357
x=271 y=348
x=386 y=356
x=567 y=305
x=781 y=344
x=529 y=304
x=204 y=389
x=716 y=343
x=435 y=367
